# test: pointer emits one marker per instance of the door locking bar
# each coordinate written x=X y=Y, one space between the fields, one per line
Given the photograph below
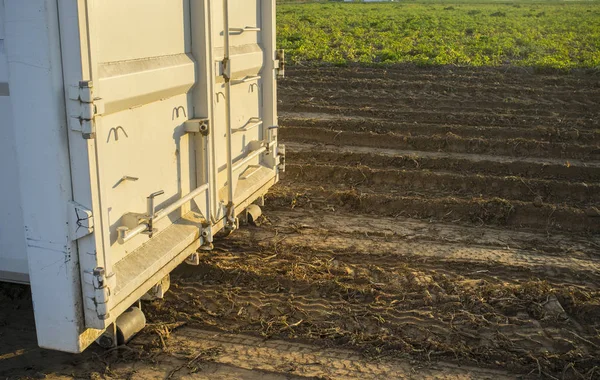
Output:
x=147 y=222
x=228 y=84
x=234 y=31
x=150 y=211
x=252 y=123
x=246 y=79
x=256 y=149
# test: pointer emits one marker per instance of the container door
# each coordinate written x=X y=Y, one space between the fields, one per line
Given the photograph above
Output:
x=244 y=109
x=132 y=160
x=141 y=78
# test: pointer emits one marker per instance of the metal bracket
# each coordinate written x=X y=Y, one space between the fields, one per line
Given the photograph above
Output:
x=99 y=298
x=206 y=235
x=81 y=221
x=281 y=154
x=158 y=291
x=199 y=125
x=231 y=222
x=257 y=144
x=206 y=244
x=272 y=133
x=226 y=69
x=89 y=107
x=280 y=63
x=193 y=259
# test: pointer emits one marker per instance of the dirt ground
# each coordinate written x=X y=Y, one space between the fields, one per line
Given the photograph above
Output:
x=431 y=223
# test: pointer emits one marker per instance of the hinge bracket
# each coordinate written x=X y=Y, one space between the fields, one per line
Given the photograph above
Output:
x=281 y=154
x=98 y=299
x=83 y=120
x=279 y=63
x=81 y=221
x=198 y=125
x=226 y=69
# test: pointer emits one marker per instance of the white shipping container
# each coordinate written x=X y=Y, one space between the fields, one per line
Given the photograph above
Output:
x=131 y=132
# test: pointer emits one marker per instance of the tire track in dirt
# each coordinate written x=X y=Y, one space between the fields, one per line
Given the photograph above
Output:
x=297 y=360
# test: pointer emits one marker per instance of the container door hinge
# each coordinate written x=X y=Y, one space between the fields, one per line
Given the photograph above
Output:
x=198 y=125
x=279 y=63
x=223 y=69
x=98 y=296
x=281 y=154
x=81 y=221
x=83 y=119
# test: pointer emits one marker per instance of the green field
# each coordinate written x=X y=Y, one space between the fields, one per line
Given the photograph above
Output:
x=561 y=35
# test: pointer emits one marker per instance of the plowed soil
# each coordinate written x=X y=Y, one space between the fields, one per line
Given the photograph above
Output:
x=434 y=215
x=431 y=223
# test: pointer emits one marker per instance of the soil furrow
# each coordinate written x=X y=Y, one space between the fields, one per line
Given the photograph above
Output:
x=520 y=77
x=550 y=134
x=576 y=107
x=439 y=214
x=479 y=211
x=542 y=168
x=575 y=96
x=436 y=116
x=281 y=222
x=447 y=143
x=343 y=237
x=445 y=183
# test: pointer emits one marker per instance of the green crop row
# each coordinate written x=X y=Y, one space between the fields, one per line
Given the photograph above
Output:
x=559 y=35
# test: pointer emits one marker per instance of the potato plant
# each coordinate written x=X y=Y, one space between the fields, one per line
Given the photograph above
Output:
x=560 y=35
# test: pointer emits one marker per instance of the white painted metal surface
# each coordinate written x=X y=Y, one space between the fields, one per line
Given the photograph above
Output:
x=13 y=256
x=133 y=132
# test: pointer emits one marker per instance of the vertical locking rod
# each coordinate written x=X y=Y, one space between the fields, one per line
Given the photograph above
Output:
x=150 y=210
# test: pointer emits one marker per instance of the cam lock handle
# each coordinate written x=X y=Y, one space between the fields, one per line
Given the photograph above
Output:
x=150 y=210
